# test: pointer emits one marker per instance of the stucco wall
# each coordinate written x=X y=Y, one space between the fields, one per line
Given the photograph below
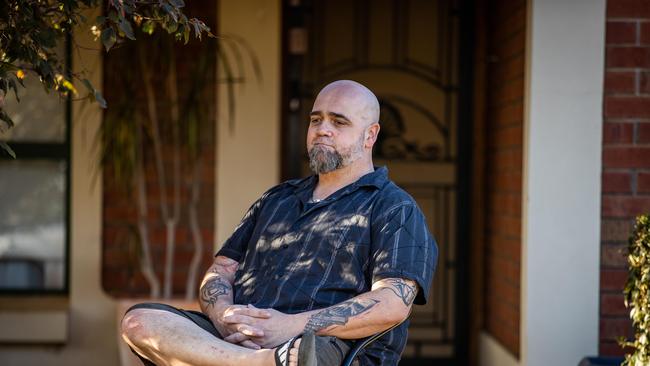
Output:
x=248 y=154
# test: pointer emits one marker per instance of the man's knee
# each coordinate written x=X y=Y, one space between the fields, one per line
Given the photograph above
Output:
x=138 y=324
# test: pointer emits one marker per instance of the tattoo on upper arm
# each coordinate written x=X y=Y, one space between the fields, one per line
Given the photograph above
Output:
x=213 y=288
x=338 y=314
x=402 y=290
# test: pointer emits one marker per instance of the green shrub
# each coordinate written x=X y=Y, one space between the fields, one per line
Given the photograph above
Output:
x=637 y=293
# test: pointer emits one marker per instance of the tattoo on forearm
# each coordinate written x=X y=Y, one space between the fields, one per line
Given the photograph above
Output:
x=403 y=290
x=213 y=288
x=338 y=314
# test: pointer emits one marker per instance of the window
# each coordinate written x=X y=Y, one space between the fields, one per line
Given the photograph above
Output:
x=34 y=192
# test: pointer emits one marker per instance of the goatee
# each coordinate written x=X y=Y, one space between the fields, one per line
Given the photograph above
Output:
x=322 y=160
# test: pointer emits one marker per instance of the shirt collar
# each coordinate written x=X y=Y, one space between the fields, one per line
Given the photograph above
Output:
x=305 y=186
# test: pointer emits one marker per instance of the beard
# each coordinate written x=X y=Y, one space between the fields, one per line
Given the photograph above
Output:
x=323 y=160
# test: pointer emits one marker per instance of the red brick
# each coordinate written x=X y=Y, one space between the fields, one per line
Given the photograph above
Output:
x=507 y=92
x=510 y=136
x=621 y=32
x=615 y=230
x=643 y=182
x=626 y=157
x=613 y=279
x=618 y=132
x=506 y=225
x=610 y=349
x=505 y=181
x=612 y=328
x=645 y=33
x=505 y=160
x=628 y=56
x=644 y=82
x=612 y=304
x=628 y=9
x=625 y=206
x=504 y=203
x=510 y=248
x=617 y=183
x=506 y=115
x=616 y=106
x=620 y=82
x=506 y=70
x=511 y=46
x=643 y=133
x=614 y=255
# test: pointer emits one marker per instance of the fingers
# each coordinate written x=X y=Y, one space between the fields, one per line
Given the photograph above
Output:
x=250 y=344
x=242 y=340
x=236 y=319
x=249 y=330
x=236 y=338
x=250 y=311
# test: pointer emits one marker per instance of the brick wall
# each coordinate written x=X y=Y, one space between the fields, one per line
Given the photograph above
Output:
x=506 y=39
x=121 y=275
x=626 y=155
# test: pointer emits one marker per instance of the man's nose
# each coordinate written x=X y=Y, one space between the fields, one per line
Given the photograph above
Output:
x=324 y=129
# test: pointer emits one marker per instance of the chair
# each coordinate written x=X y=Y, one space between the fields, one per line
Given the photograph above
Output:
x=362 y=343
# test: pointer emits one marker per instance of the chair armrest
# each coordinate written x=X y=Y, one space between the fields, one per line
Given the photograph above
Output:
x=362 y=343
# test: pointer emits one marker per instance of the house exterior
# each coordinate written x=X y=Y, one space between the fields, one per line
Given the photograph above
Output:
x=522 y=128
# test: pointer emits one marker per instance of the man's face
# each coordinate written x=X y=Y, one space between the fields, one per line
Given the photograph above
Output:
x=336 y=135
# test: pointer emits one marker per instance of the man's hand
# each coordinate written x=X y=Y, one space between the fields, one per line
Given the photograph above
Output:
x=275 y=329
x=244 y=330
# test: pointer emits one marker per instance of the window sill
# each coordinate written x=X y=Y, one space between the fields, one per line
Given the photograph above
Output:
x=34 y=320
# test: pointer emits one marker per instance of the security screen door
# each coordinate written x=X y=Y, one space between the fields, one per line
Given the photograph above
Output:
x=406 y=51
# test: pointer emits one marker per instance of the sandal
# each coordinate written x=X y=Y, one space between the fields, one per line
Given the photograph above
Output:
x=306 y=352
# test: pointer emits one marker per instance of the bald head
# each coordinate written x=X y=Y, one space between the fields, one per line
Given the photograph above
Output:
x=353 y=97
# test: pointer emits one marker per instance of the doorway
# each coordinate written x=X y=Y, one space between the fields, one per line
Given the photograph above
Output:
x=408 y=52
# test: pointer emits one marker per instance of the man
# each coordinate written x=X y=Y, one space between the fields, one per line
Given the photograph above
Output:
x=314 y=263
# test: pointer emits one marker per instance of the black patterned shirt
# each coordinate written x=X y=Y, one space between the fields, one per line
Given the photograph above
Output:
x=296 y=256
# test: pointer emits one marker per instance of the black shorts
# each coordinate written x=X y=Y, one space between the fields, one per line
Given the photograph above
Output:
x=330 y=350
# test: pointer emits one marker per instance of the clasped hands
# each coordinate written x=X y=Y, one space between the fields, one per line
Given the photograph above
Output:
x=255 y=328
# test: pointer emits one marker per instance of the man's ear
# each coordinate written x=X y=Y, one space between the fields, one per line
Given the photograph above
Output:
x=371 y=135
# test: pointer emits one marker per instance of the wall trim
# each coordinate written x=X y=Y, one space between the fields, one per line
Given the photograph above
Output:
x=563 y=119
x=493 y=353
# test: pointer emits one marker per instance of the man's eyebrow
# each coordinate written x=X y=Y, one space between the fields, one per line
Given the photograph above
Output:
x=338 y=115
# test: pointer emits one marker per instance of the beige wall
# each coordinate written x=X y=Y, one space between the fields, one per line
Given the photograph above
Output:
x=248 y=156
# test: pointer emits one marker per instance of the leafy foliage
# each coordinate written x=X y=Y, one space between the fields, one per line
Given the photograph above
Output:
x=637 y=293
x=31 y=32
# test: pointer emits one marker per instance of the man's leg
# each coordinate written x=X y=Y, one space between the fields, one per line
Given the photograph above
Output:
x=167 y=338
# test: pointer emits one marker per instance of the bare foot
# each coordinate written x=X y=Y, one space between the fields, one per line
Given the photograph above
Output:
x=293 y=354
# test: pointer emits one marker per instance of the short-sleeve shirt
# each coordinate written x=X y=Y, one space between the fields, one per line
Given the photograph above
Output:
x=295 y=255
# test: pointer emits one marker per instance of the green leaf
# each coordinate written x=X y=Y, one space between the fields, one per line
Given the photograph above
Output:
x=125 y=26
x=100 y=99
x=96 y=94
x=88 y=85
x=8 y=149
x=186 y=34
x=177 y=3
x=5 y=117
x=108 y=38
x=148 y=27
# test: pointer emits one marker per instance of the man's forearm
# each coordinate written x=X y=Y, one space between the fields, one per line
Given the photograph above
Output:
x=386 y=305
x=216 y=288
